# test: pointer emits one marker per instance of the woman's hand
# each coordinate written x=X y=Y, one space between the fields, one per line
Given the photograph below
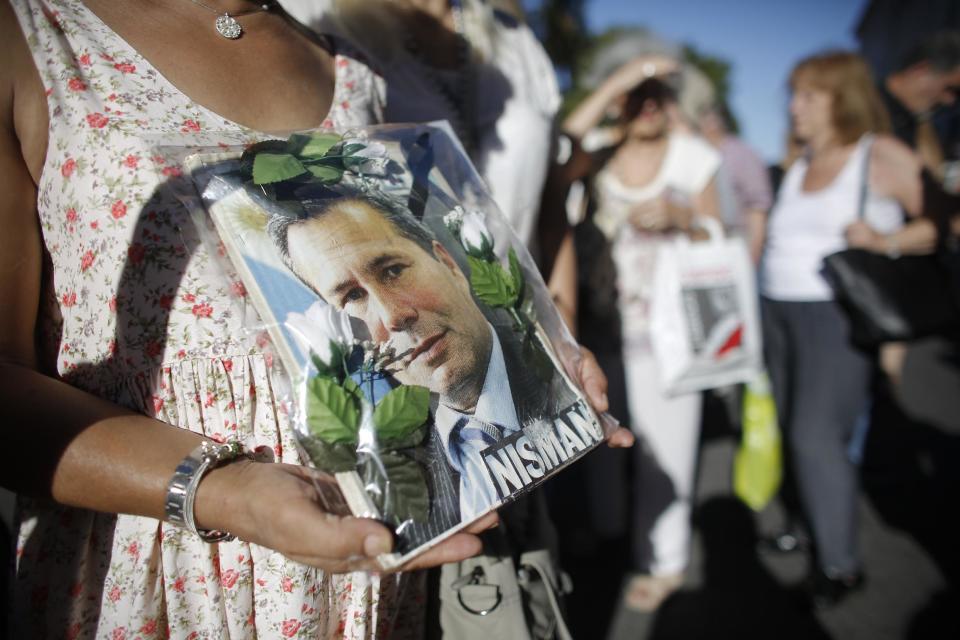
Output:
x=652 y=215
x=860 y=235
x=641 y=68
x=592 y=379
x=301 y=513
x=666 y=211
x=591 y=111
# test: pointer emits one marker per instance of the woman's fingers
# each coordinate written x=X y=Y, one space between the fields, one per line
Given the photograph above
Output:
x=593 y=380
x=459 y=546
x=620 y=439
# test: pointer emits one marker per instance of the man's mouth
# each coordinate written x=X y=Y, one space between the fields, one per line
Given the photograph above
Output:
x=429 y=347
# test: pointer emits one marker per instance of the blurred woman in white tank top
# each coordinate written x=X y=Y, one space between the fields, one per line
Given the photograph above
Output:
x=820 y=381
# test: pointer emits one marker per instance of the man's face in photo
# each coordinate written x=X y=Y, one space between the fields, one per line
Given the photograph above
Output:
x=417 y=301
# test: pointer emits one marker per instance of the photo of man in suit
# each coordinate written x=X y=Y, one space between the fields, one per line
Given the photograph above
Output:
x=369 y=257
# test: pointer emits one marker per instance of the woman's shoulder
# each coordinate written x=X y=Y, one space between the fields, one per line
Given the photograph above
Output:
x=888 y=149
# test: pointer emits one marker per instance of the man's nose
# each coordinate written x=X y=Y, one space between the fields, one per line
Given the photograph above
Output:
x=394 y=314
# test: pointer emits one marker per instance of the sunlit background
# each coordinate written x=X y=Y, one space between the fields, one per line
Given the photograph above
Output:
x=752 y=44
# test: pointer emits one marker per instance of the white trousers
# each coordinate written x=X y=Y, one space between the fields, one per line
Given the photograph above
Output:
x=668 y=431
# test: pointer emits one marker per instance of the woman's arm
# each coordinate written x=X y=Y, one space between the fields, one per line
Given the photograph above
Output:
x=563 y=281
x=895 y=171
x=591 y=111
x=917 y=237
x=80 y=450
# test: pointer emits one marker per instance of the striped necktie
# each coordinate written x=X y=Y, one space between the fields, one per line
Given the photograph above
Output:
x=469 y=438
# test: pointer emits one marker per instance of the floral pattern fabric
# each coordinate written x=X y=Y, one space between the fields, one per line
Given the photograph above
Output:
x=137 y=311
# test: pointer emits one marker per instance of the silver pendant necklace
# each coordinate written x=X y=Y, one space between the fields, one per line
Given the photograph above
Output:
x=226 y=24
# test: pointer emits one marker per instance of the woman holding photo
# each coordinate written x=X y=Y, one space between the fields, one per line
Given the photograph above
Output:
x=119 y=352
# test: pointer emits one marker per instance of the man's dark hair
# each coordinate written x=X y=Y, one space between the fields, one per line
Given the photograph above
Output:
x=941 y=51
x=393 y=211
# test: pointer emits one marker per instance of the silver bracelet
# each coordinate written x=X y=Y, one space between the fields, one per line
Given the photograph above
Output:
x=182 y=490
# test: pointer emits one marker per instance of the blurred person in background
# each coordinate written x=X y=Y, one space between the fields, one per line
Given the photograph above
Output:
x=837 y=115
x=477 y=65
x=646 y=184
x=926 y=82
x=743 y=185
x=917 y=94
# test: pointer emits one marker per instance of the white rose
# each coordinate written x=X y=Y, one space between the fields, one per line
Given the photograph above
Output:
x=454 y=220
x=473 y=232
x=320 y=326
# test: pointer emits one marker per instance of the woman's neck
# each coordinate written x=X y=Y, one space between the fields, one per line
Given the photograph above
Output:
x=824 y=144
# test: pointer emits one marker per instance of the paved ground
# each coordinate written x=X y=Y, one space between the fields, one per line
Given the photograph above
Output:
x=910 y=543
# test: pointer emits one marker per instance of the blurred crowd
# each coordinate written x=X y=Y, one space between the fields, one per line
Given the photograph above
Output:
x=646 y=159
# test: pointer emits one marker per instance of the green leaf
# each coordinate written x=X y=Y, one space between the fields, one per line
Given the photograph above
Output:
x=414 y=438
x=333 y=415
x=265 y=146
x=350 y=386
x=519 y=284
x=483 y=252
x=330 y=457
x=276 y=167
x=404 y=494
x=317 y=146
x=325 y=172
x=491 y=283
x=401 y=411
x=330 y=369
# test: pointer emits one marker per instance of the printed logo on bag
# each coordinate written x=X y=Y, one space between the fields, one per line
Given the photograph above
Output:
x=714 y=321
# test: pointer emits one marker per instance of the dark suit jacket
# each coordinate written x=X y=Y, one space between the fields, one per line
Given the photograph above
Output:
x=534 y=395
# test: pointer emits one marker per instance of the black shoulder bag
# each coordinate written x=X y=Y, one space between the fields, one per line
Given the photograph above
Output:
x=891 y=299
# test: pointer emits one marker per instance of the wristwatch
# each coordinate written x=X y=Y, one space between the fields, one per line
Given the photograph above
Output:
x=182 y=489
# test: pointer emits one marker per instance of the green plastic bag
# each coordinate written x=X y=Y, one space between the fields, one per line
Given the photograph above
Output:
x=758 y=465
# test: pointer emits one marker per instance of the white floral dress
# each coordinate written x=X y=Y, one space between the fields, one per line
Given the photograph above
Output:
x=136 y=311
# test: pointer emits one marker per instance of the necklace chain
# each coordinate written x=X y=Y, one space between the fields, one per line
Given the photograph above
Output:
x=226 y=23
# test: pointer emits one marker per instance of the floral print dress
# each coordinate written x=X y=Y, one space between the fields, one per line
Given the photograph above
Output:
x=137 y=311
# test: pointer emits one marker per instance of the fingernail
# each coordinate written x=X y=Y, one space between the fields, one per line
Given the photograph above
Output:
x=376 y=544
x=603 y=399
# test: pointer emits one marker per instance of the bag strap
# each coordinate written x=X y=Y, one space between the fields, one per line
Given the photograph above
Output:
x=535 y=561
x=864 y=177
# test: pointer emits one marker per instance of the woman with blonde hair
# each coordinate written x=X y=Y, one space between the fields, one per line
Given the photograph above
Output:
x=848 y=163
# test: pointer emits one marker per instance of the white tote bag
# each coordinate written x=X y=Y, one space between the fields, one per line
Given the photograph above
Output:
x=704 y=323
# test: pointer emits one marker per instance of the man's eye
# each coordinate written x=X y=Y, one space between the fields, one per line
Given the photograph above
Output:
x=353 y=295
x=394 y=271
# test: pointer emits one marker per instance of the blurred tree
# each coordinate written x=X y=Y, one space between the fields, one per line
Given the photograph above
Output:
x=561 y=27
x=718 y=71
